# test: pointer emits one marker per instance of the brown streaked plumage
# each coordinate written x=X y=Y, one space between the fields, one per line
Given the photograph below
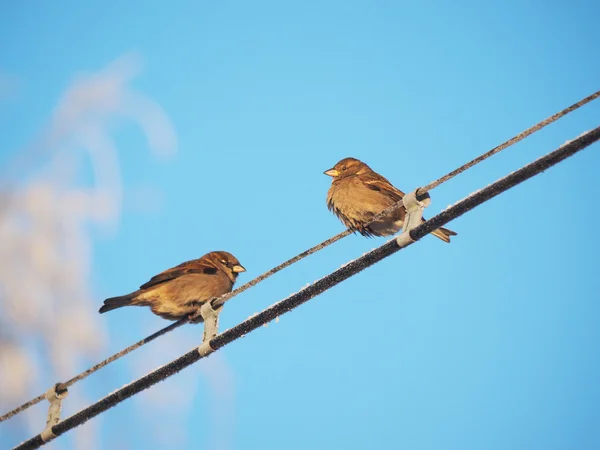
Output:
x=358 y=193
x=178 y=292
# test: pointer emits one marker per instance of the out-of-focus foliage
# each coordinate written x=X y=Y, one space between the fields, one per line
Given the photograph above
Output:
x=49 y=327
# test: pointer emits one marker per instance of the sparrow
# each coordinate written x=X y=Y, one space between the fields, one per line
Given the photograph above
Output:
x=179 y=291
x=358 y=193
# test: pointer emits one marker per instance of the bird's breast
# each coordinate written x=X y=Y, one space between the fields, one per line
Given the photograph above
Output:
x=351 y=196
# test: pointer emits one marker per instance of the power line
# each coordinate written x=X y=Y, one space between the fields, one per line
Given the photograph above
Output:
x=514 y=140
x=64 y=386
x=223 y=299
x=320 y=286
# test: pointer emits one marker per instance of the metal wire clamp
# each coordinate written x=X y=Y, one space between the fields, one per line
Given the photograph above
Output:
x=414 y=206
x=55 y=396
x=211 y=327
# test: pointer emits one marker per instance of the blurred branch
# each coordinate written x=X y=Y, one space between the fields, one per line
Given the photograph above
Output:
x=49 y=321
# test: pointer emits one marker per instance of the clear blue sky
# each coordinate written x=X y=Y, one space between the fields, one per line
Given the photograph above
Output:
x=495 y=346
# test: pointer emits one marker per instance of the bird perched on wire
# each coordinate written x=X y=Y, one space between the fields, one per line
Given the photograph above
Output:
x=358 y=193
x=180 y=291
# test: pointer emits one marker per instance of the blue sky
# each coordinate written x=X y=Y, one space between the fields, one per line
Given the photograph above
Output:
x=493 y=346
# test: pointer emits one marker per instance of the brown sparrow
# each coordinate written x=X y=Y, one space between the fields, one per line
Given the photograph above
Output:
x=357 y=194
x=179 y=292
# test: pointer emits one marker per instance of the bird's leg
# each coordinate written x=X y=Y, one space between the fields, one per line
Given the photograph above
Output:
x=195 y=317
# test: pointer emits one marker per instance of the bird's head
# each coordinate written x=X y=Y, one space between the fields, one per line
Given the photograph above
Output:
x=227 y=263
x=347 y=167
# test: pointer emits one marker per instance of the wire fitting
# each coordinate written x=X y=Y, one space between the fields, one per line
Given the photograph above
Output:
x=55 y=396
x=414 y=205
x=211 y=326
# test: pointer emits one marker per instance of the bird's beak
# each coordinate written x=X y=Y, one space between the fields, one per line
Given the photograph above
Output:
x=332 y=173
x=238 y=268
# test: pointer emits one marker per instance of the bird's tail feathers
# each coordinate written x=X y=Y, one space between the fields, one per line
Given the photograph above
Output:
x=444 y=234
x=117 y=302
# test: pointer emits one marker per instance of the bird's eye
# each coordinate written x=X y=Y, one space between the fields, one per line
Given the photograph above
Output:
x=343 y=167
x=224 y=262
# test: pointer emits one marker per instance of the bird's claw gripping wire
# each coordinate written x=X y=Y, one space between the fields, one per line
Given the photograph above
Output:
x=414 y=204
x=54 y=395
x=211 y=326
x=195 y=317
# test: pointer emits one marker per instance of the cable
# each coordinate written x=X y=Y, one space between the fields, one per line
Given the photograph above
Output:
x=286 y=305
x=22 y=408
x=82 y=375
x=514 y=140
x=223 y=299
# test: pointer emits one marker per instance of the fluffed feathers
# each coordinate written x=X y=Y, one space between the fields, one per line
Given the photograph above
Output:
x=357 y=194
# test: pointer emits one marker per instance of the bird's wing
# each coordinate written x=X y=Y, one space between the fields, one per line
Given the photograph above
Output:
x=194 y=266
x=376 y=182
